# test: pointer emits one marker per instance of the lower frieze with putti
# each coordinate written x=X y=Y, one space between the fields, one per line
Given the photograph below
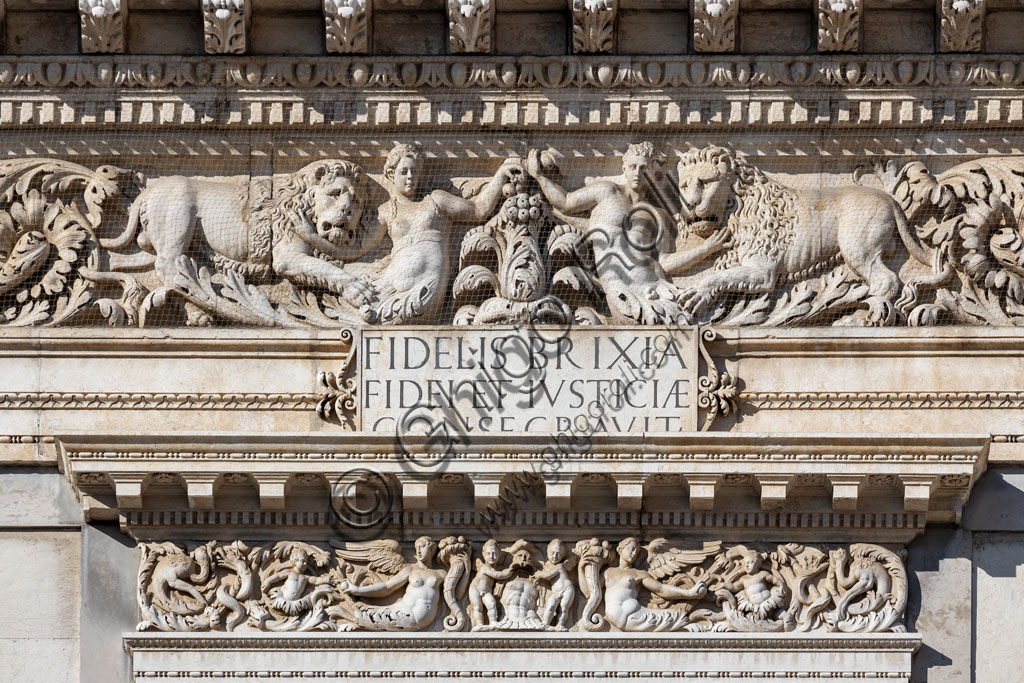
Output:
x=587 y=585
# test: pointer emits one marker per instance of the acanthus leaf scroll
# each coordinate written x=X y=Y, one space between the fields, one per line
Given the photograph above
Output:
x=347 y=26
x=592 y=585
x=703 y=238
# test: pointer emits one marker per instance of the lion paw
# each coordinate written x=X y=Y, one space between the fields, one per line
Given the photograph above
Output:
x=694 y=301
x=881 y=312
x=358 y=292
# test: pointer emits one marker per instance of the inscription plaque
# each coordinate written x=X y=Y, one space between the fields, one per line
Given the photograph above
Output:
x=510 y=380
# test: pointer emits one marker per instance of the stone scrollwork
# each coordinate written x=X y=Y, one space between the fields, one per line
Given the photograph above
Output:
x=103 y=25
x=470 y=25
x=51 y=216
x=962 y=23
x=718 y=392
x=593 y=25
x=838 y=25
x=709 y=240
x=347 y=24
x=714 y=25
x=337 y=402
x=968 y=221
x=591 y=586
x=225 y=26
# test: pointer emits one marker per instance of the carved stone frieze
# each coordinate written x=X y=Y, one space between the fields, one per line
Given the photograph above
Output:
x=470 y=26
x=591 y=585
x=627 y=249
x=714 y=25
x=839 y=24
x=593 y=25
x=103 y=25
x=225 y=26
x=962 y=23
x=347 y=25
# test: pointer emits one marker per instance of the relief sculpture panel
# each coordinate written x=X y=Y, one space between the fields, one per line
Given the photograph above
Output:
x=582 y=586
x=699 y=236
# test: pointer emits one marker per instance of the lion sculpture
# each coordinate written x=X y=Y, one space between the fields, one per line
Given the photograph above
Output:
x=781 y=234
x=315 y=213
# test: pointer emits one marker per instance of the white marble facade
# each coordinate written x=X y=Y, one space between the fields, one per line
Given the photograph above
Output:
x=495 y=339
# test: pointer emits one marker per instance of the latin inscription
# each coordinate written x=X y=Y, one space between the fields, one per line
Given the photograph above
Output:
x=507 y=381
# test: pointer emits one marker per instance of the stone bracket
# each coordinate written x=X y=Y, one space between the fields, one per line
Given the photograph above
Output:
x=927 y=477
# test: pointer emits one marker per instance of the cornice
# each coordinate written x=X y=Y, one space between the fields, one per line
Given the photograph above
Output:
x=721 y=92
x=651 y=446
x=515 y=73
x=804 y=475
x=94 y=342
x=544 y=655
x=137 y=642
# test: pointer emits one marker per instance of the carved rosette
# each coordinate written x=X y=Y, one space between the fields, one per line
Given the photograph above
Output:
x=838 y=25
x=225 y=25
x=961 y=25
x=714 y=25
x=347 y=24
x=470 y=26
x=103 y=25
x=290 y=586
x=593 y=25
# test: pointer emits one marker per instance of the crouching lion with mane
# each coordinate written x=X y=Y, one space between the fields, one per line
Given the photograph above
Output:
x=315 y=213
x=780 y=234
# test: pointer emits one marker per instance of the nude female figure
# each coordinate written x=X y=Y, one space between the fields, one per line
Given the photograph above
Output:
x=414 y=611
x=622 y=589
x=412 y=285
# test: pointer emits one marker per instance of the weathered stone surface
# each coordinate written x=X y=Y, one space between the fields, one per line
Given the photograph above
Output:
x=912 y=30
x=196 y=254
x=531 y=33
x=941 y=567
x=42 y=587
x=41 y=499
x=998 y=581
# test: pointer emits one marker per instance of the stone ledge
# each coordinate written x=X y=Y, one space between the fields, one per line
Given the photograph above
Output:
x=797 y=473
x=761 y=657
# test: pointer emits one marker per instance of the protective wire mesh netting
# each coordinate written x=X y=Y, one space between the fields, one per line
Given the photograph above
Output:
x=589 y=224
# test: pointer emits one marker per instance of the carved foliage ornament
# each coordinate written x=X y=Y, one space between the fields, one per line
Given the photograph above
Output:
x=347 y=26
x=714 y=25
x=103 y=25
x=962 y=22
x=225 y=25
x=593 y=25
x=589 y=585
x=717 y=242
x=470 y=25
x=838 y=25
